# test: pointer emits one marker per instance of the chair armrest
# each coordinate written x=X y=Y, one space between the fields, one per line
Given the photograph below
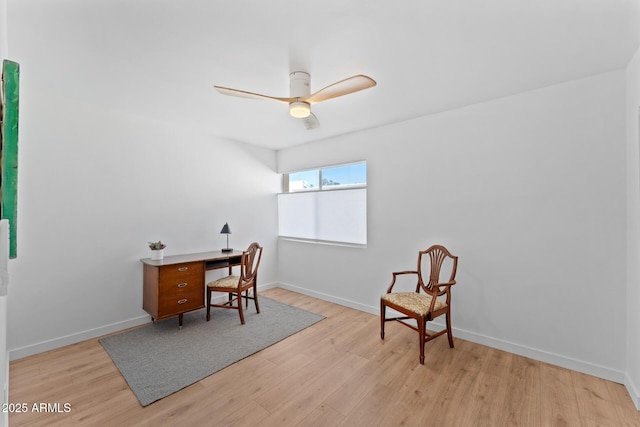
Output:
x=453 y=282
x=446 y=285
x=395 y=276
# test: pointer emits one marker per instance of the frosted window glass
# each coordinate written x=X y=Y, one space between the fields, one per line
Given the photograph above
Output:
x=297 y=215
x=337 y=216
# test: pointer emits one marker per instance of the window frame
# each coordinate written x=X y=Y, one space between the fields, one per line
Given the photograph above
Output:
x=321 y=187
x=327 y=188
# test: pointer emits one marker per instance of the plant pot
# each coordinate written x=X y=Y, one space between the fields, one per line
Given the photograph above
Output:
x=157 y=254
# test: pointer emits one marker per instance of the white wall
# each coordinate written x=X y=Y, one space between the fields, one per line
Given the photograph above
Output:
x=4 y=356
x=94 y=187
x=529 y=192
x=632 y=380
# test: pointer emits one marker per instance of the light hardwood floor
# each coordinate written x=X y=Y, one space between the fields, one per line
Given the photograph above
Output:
x=337 y=372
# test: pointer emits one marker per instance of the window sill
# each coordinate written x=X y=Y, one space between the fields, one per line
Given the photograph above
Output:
x=323 y=242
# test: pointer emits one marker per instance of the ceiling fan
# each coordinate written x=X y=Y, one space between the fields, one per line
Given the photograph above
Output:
x=300 y=96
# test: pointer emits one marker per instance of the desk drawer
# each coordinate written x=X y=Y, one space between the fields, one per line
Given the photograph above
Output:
x=181 y=287
x=181 y=279
x=180 y=304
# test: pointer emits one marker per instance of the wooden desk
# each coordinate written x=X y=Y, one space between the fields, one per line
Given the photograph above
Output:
x=175 y=285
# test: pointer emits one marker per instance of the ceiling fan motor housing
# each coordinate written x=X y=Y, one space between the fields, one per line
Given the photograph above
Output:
x=299 y=84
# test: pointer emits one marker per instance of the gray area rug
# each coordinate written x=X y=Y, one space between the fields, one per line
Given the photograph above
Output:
x=160 y=359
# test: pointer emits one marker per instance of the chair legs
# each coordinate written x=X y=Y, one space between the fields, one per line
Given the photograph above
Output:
x=383 y=309
x=240 y=307
x=421 y=328
x=229 y=303
x=449 y=334
x=255 y=298
x=247 y=298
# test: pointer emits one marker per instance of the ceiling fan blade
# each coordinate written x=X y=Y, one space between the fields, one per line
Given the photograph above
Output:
x=249 y=95
x=343 y=87
x=311 y=122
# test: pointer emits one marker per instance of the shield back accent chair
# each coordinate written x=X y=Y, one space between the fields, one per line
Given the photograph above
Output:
x=431 y=298
x=238 y=287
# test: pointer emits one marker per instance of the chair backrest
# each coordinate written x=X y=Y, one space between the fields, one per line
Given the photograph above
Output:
x=250 y=262
x=437 y=256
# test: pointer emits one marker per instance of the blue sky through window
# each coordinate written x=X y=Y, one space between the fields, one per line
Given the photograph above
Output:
x=304 y=179
x=348 y=174
x=352 y=174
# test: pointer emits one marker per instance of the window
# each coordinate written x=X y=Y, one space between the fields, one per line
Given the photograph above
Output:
x=325 y=204
x=329 y=178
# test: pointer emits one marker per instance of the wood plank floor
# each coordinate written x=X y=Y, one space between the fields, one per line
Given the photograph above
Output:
x=336 y=373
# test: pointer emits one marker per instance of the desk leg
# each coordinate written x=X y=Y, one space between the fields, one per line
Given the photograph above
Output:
x=180 y=320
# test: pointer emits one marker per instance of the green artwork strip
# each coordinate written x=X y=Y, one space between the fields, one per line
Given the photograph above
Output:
x=9 y=160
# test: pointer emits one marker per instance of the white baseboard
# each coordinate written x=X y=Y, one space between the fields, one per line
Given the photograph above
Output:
x=521 y=350
x=29 y=350
x=330 y=298
x=632 y=389
x=541 y=355
x=52 y=344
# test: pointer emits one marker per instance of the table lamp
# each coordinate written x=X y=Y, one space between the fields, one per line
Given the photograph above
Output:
x=226 y=230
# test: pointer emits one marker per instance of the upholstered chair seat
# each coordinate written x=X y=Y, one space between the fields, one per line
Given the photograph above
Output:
x=419 y=304
x=228 y=282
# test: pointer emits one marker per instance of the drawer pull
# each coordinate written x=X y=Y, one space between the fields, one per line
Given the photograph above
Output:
x=182 y=285
x=182 y=301
x=183 y=268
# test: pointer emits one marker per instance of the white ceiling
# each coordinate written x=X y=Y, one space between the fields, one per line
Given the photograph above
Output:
x=161 y=58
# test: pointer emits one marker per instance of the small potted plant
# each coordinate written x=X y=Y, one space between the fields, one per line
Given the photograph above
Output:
x=157 y=250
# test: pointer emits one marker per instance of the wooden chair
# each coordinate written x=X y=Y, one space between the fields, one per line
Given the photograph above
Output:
x=423 y=307
x=235 y=286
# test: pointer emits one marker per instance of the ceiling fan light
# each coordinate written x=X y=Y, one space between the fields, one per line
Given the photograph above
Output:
x=299 y=110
